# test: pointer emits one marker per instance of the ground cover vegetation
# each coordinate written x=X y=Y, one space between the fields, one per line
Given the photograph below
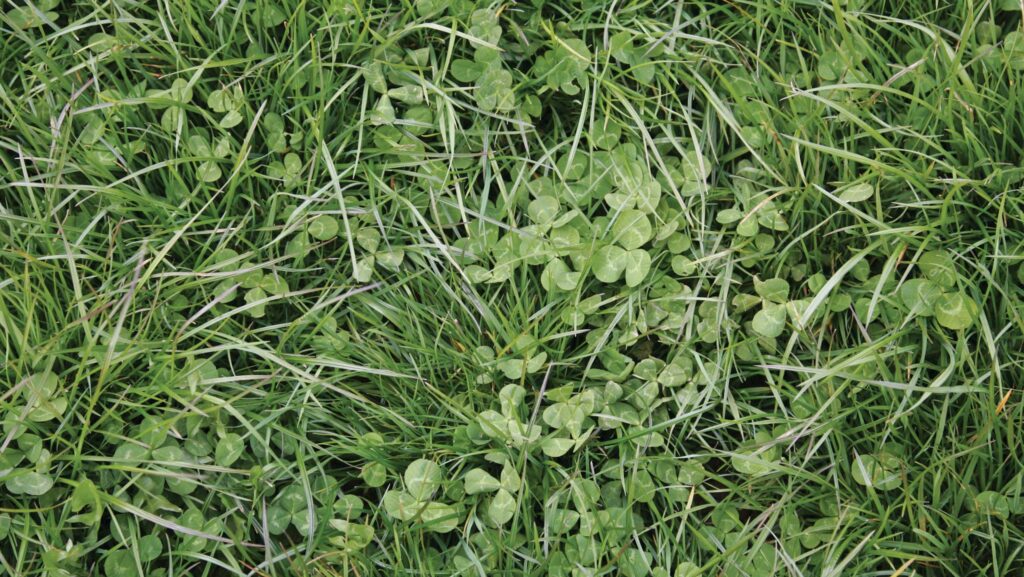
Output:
x=567 y=288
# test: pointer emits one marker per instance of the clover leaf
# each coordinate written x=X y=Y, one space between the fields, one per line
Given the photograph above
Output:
x=323 y=227
x=937 y=266
x=501 y=508
x=422 y=478
x=229 y=449
x=770 y=321
x=955 y=311
x=857 y=192
x=880 y=472
x=632 y=229
x=480 y=481
x=25 y=482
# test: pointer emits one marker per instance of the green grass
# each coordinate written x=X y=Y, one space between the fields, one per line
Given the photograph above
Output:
x=536 y=288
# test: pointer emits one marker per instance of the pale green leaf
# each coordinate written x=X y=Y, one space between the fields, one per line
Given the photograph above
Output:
x=422 y=478
x=480 y=481
x=857 y=192
x=770 y=321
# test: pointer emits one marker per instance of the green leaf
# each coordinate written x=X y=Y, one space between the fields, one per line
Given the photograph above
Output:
x=770 y=321
x=494 y=90
x=375 y=78
x=937 y=266
x=691 y=473
x=47 y=408
x=992 y=504
x=830 y=65
x=292 y=164
x=561 y=520
x=439 y=517
x=728 y=216
x=682 y=265
x=422 y=479
x=920 y=295
x=478 y=274
x=374 y=474
x=513 y=368
x=466 y=70
x=383 y=112
x=323 y=227
x=149 y=548
x=25 y=482
x=558 y=275
x=609 y=262
x=641 y=487
x=502 y=507
x=621 y=46
x=368 y=238
x=493 y=424
x=401 y=505
x=219 y=101
x=277 y=519
x=857 y=192
x=748 y=226
x=231 y=119
x=130 y=454
x=775 y=290
x=208 y=171
x=632 y=229
x=251 y=279
x=556 y=447
x=480 y=481
x=759 y=458
x=511 y=397
x=274 y=284
x=256 y=295
x=356 y=536
x=223 y=147
x=26 y=17
x=42 y=385
x=543 y=210
x=408 y=94
x=605 y=133
x=638 y=264
x=272 y=16
x=797 y=310
x=510 y=480
x=84 y=495
x=362 y=271
x=199 y=145
x=881 y=472
x=120 y=563
x=92 y=132
x=229 y=449
x=635 y=563
x=955 y=311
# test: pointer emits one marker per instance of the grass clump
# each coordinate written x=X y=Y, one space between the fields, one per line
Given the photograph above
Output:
x=530 y=288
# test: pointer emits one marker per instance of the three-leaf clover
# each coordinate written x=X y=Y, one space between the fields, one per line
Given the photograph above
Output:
x=881 y=471
x=422 y=479
x=229 y=102
x=564 y=66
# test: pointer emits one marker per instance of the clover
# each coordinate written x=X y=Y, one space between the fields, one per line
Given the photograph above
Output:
x=289 y=170
x=564 y=66
x=209 y=169
x=229 y=102
x=422 y=479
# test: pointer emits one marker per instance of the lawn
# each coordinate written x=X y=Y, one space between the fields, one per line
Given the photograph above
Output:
x=568 y=288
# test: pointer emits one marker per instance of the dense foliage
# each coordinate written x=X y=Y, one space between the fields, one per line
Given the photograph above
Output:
x=565 y=288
